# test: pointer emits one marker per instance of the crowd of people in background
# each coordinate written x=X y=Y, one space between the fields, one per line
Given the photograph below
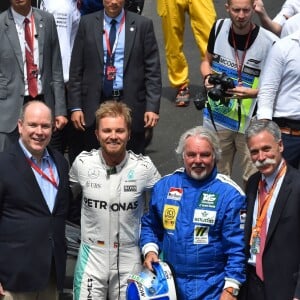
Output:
x=80 y=90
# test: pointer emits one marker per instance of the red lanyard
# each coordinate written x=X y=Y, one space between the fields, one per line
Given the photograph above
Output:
x=51 y=179
x=109 y=50
x=239 y=62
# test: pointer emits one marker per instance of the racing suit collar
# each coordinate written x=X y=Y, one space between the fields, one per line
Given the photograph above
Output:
x=117 y=168
x=206 y=180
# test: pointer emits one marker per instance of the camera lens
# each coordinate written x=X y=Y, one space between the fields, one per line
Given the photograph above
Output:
x=215 y=93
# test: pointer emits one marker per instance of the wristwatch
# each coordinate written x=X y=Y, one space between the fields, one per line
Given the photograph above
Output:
x=234 y=292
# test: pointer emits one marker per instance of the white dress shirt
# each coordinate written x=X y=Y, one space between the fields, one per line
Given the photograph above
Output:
x=279 y=92
x=67 y=18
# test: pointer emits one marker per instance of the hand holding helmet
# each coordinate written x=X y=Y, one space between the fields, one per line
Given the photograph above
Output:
x=148 y=285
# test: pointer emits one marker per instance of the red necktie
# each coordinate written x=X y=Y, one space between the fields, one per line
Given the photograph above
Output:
x=31 y=67
x=263 y=233
x=108 y=83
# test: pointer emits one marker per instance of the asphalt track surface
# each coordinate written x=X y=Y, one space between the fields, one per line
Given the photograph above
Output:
x=173 y=120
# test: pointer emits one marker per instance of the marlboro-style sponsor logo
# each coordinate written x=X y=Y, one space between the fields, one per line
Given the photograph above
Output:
x=175 y=193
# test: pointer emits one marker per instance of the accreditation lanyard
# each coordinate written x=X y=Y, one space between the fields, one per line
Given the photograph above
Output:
x=264 y=205
x=240 y=63
x=110 y=51
x=51 y=179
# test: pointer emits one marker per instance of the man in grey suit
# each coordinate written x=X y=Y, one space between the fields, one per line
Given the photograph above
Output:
x=134 y=72
x=14 y=88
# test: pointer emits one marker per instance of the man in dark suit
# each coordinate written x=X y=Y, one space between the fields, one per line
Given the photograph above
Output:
x=34 y=197
x=133 y=71
x=272 y=229
x=46 y=68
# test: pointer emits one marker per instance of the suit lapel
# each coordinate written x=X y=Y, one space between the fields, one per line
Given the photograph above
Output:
x=251 y=197
x=280 y=203
x=12 y=35
x=99 y=35
x=40 y=33
x=130 y=33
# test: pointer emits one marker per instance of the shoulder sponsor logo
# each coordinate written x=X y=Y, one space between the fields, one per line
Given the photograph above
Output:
x=175 y=193
x=205 y=216
x=169 y=216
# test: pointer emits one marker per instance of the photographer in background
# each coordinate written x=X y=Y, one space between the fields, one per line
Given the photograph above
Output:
x=236 y=51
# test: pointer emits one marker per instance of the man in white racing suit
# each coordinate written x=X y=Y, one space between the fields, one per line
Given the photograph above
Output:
x=113 y=182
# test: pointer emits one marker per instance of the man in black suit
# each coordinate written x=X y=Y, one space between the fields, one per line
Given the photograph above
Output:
x=134 y=72
x=272 y=229
x=34 y=197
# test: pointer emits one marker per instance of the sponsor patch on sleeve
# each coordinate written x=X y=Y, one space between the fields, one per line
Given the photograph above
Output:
x=243 y=215
x=169 y=216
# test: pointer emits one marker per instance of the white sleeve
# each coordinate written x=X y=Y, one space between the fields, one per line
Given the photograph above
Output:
x=152 y=174
x=291 y=26
x=287 y=10
x=269 y=82
x=74 y=180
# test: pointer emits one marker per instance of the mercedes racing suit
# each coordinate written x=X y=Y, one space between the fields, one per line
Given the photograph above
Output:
x=197 y=226
x=112 y=206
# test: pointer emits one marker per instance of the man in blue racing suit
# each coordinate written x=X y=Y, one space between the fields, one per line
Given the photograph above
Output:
x=195 y=223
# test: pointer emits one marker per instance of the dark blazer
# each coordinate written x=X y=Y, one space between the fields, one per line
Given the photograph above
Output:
x=30 y=235
x=12 y=87
x=142 y=74
x=281 y=257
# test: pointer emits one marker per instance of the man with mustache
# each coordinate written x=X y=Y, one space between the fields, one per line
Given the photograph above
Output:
x=272 y=228
x=195 y=221
x=113 y=182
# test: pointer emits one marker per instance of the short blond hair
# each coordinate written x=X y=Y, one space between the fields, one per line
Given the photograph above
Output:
x=114 y=109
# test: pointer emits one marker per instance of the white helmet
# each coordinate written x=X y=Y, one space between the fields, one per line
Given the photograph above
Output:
x=149 y=285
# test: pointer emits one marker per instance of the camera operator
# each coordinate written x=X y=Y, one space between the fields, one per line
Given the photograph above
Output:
x=235 y=55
